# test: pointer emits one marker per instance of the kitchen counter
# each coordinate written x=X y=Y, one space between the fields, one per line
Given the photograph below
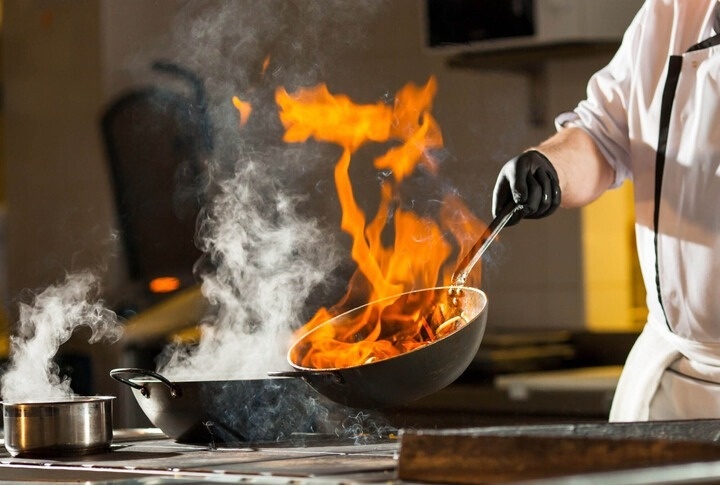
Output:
x=146 y=456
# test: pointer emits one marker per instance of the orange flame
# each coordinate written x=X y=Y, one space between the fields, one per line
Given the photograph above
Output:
x=419 y=257
x=244 y=108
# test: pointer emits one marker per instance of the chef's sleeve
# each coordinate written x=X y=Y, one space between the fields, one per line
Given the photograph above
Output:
x=604 y=112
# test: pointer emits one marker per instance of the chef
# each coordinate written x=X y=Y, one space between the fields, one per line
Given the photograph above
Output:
x=652 y=115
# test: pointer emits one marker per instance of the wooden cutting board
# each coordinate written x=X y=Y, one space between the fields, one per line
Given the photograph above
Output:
x=502 y=454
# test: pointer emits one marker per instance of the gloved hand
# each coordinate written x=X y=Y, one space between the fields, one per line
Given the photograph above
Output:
x=531 y=180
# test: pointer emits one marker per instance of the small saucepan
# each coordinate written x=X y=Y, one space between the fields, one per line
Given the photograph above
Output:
x=72 y=426
x=409 y=375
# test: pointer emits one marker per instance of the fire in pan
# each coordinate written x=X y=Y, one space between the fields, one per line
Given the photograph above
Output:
x=401 y=348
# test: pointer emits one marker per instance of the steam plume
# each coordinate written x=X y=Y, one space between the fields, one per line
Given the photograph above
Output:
x=266 y=260
x=43 y=327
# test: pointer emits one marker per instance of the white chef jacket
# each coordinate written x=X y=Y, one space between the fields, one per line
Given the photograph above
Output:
x=654 y=113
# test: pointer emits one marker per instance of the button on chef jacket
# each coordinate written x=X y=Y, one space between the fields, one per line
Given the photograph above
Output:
x=654 y=113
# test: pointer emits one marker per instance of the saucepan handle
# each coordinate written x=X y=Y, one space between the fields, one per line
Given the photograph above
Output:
x=125 y=374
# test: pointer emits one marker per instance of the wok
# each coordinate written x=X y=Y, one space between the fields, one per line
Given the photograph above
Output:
x=409 y=375
x=224 y=411
x=422 y=371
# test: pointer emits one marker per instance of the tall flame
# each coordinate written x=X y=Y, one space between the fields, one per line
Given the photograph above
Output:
x=244 y=110
x=419 y=257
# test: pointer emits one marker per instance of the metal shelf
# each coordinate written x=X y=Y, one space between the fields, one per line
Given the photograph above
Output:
x=530 y=61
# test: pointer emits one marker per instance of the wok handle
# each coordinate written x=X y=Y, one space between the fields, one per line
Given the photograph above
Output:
x=336 y=376
x=473 y=256
x=119 y=375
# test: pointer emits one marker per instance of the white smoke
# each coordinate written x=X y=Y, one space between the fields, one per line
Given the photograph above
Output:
x=268 y=255
x=266 y=259
x=43 y=327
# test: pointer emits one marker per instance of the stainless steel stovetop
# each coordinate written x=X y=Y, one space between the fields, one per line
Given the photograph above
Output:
x=146 y=456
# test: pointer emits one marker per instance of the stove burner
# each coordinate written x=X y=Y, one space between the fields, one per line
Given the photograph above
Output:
x=304 y=440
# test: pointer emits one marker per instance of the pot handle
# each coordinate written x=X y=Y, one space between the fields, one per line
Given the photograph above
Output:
x=119 y=375
x=327 y=374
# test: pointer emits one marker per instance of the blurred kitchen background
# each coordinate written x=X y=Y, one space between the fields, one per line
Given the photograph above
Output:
x=565 y=293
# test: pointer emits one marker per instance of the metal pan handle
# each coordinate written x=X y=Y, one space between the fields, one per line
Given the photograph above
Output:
x=324 y=374
x=488 y=236
x=120 y=376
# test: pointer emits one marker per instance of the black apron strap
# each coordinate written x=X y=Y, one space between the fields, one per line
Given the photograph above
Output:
x=668 y=97
x=709 y=42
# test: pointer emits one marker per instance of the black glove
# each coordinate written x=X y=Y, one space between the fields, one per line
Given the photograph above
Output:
x=531 y=180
